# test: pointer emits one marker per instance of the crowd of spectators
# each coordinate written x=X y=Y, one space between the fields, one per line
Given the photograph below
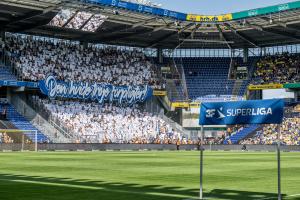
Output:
x=91 y=122
x=62 y=17
x=34 y=59
x=85 y=21
x=289 y=133
x=94 y=23
x=213 y=140
x=4 y=138
x=284 y=68
x=297 y=108
x=78 y=20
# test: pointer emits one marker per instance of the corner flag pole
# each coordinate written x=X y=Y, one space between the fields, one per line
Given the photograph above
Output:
x=201 y=163
x=278 y=163
x=36 y=145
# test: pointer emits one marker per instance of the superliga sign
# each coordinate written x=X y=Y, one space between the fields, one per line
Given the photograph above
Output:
x=242 y=112
x=101 y=92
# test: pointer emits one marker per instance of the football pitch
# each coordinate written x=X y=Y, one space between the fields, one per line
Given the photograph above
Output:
x=155 y=175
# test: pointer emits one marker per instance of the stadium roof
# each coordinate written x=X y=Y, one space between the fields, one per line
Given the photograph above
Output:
x=136 y=25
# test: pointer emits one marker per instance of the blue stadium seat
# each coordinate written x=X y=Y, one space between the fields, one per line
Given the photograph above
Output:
x=5 y=74
x=209 y=76
x=240 y=135
x=21 y=123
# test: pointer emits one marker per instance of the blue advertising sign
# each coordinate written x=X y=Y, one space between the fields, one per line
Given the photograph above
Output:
x=123 y=95
x=242 y=112
x=11 y=83
x=140 y=8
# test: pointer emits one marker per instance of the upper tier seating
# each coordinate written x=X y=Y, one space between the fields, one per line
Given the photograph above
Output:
x=35 y=59
x=283 y=68
x=209 y=76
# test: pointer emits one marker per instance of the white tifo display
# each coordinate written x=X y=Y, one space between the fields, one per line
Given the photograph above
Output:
x=278 y=94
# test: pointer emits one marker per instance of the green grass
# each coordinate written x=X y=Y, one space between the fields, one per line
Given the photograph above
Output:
x=145 y=175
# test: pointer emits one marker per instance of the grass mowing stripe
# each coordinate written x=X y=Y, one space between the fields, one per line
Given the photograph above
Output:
x=145 y=175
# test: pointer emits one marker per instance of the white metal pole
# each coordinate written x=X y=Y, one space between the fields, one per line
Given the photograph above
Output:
x=201 y=163
x=23 y=138
x=36 y=146
x=278 y=163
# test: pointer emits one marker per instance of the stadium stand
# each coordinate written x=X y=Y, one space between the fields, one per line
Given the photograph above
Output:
x=267 y=134
x=35 y=59
x=277 y=69
x=206 y=79
x=290 y=133
x=241 y=134
x=92 y=123
x=201 y=71
x=21 y=123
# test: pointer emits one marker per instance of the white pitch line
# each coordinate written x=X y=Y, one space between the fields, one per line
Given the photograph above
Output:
x=293 y=195
x=269 y=198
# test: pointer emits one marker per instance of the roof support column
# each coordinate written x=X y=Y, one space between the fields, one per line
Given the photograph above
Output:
x=2 y=35
x=232 y=53
x=263 y=51
x=2 y=42
x=297 y=95
x=160 y=55
x=84 y=44
x=245 y=55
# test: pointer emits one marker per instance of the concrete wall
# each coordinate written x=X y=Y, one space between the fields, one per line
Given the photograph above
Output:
x=136 y=147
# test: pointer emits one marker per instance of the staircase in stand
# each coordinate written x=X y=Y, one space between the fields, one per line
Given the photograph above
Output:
x=237 y=87
x=242 y=134
x=21 y=123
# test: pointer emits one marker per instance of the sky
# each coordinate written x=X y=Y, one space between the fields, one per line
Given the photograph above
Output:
x=215 y=7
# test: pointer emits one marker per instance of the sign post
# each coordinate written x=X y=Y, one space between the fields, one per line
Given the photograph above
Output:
x=201 y=163
x=242 y=112
x=278 y=164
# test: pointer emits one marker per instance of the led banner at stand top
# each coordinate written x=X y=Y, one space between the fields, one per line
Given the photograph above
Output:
x=140 y=8
x=159 y=93
x=242 y=112
x=195 y=105
x=292 y=85
x=100 y=92
x=209 y=18
x=194 y=17
x=265 y=87
x=10 y=83
x=266 y=10
x=180 y=105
